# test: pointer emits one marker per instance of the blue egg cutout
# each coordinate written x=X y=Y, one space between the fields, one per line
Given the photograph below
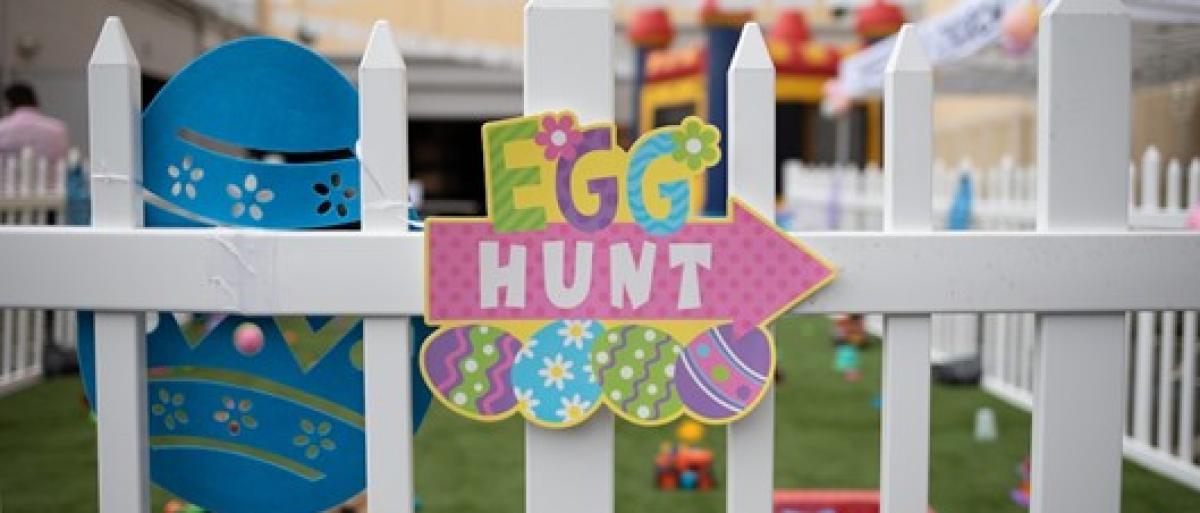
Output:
x=553 y=376
x=258 y=132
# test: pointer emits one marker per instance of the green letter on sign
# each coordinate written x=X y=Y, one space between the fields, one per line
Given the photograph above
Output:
x=506 y=217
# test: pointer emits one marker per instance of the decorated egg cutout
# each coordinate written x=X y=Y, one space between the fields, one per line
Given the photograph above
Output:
x=635 y=366
x=720 y=377
x=235 y=139
x=469 y=369
x=553 y=376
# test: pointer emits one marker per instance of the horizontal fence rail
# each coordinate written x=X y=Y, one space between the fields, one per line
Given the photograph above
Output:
x=258 y=272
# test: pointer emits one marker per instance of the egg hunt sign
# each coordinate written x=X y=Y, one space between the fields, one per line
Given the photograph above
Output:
x=592 y=282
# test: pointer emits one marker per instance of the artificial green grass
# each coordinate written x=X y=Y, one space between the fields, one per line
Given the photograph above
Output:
x=827 y=436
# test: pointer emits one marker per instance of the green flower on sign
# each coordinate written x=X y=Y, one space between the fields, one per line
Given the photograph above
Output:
x=313 y=438
x=696 y=144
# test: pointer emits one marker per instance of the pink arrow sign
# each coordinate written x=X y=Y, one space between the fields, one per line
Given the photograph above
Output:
x=741 y=268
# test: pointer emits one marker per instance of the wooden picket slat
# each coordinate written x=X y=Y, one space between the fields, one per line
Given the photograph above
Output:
x=578 y=77
x=1083 y=137
x=908 y=143
x=114 y=116
x=387 y=341
x=751 y=440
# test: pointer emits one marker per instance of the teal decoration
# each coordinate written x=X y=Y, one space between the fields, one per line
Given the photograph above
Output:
x=959 y=217
x=846 y=358
x=258 y=132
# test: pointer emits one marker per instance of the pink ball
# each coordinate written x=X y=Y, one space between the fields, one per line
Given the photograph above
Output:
x=1193 y=218
x=1019 y=27
x=248 y=339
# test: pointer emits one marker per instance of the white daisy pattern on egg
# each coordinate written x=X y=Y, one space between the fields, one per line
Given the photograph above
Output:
x=573 y=408
x=248 y=198
x=556 y=371
x=527 y=350
x=575 y=333
x=526 y=402
x=184 y=177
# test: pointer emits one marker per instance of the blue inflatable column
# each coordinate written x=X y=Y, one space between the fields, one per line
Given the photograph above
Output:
x=639 y=80
x=724 y=30
x=650 y=29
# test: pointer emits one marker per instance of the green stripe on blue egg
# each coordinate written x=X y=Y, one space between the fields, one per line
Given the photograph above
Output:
x=636 y=367
x=552 y=377
x=469 y=367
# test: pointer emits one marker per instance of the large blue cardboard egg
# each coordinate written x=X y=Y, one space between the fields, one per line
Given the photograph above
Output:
x=252 y=414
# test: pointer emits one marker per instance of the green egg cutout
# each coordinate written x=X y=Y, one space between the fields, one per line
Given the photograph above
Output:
x=636 y=366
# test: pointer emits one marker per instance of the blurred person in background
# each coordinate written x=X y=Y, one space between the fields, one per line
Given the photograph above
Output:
x=26 y=126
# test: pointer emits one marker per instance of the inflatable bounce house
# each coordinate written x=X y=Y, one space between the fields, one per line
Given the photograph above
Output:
x=673 y=83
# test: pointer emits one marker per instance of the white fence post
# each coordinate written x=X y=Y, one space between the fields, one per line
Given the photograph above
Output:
x=383 y=178
x=751 y=101
x=114 y=118
x=1083 y=148
x=570 y=470
x=908 y=143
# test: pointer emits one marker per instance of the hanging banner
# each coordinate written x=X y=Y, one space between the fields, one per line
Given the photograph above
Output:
x=960 y=32
x=591 y=283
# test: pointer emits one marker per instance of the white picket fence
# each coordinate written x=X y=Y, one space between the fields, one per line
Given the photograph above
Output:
x=32 y=192
x=1080 y=271
x=1004 y=198
x=1162 y=433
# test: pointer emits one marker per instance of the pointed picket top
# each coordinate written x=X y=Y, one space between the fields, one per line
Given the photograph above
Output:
x=751 y=52
x=1072 y=7
x=1151 y=164
x=1174 y=184
x=908 y=54
x=1151 y=155
x=381 y=52
x=113 y=47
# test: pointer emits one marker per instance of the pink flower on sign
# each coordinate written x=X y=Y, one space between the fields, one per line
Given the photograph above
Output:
x=559 y=136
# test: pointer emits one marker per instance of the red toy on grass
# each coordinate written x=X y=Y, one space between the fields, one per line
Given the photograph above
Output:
x=680 y=465
x=827 y=501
